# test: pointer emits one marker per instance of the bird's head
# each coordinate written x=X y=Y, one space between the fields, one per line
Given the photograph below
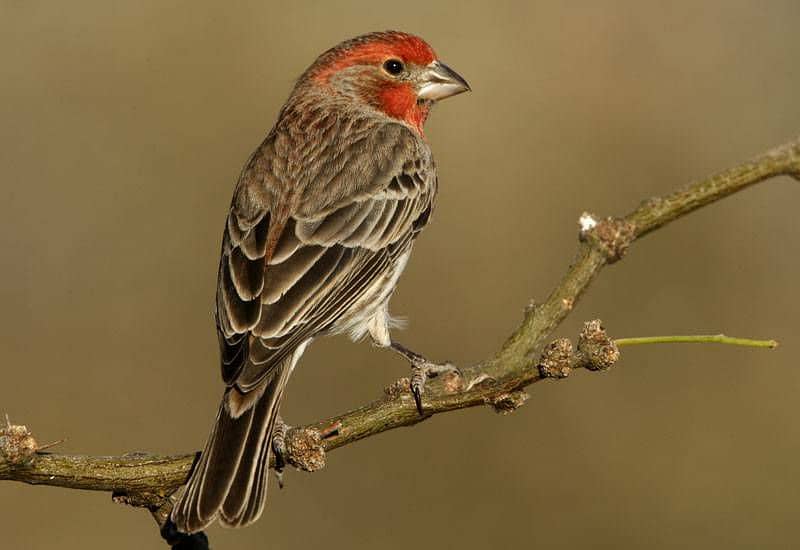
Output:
x=394 y=73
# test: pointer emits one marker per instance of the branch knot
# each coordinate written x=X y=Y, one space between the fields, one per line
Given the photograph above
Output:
x=596 y=350
x=557 y=359
x=17 y=445
x=612 y=236
x=304 y=449
x=506 y=403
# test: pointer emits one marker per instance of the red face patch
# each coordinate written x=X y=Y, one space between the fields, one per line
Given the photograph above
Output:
x=400 y=101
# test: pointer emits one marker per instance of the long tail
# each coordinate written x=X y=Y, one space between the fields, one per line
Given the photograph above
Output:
x=230 y=479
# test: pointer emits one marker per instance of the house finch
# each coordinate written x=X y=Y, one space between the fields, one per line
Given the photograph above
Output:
x=320 y=228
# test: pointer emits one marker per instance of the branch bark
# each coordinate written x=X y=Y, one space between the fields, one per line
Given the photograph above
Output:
x=148 y=480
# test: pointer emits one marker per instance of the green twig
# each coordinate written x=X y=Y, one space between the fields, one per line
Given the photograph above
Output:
x=697 y=339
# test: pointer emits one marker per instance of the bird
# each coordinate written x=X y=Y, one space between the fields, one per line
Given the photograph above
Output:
x=321 y=225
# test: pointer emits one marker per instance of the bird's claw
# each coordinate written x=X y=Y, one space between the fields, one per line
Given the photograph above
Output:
x=279 y=448
x=421 y=371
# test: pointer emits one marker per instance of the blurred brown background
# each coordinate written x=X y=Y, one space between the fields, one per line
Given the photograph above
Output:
x=123 y=127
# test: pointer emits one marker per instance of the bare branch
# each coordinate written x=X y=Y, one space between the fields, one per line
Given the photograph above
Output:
x=147 y=480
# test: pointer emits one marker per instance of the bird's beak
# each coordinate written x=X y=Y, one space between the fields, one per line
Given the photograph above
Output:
x=440 y=81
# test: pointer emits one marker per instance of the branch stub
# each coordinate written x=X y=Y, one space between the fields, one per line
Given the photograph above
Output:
x=304 y=449
x=506 y=403
x=612 y=236
x=556 y=360
x=17 y=445
x=595 y=349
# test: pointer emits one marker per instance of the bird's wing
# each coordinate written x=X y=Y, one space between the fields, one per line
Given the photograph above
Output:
x=286 y=276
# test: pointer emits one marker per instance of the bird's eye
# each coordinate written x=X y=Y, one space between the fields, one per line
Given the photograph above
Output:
x=393 y=67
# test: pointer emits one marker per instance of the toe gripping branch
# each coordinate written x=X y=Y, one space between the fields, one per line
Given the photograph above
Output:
x=421 y=370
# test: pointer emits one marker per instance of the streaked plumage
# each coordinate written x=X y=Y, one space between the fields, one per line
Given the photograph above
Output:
x=322 y=222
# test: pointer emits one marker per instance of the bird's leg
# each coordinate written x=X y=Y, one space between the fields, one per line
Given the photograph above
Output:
x=421 y=370
x=279 y=432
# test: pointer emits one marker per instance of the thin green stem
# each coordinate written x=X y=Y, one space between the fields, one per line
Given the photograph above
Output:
x=697 y=339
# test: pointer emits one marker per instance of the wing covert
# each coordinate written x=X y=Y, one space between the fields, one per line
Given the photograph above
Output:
x=287 y=278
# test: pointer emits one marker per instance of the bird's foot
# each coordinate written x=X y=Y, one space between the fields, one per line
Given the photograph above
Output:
x=421 y=370
x=279 y=432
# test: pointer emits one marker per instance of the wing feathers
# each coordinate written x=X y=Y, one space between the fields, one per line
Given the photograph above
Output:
x=286 y=245
x=280 y=278
x=246 y=275
x=240 y=314
x=254 y=244
x=276 y=316
x=314 y=235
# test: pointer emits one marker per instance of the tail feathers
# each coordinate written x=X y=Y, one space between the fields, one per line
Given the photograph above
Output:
x=244 y=501
x=230 y=479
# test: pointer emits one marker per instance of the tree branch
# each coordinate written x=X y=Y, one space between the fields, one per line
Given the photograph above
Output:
x=148 y=480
